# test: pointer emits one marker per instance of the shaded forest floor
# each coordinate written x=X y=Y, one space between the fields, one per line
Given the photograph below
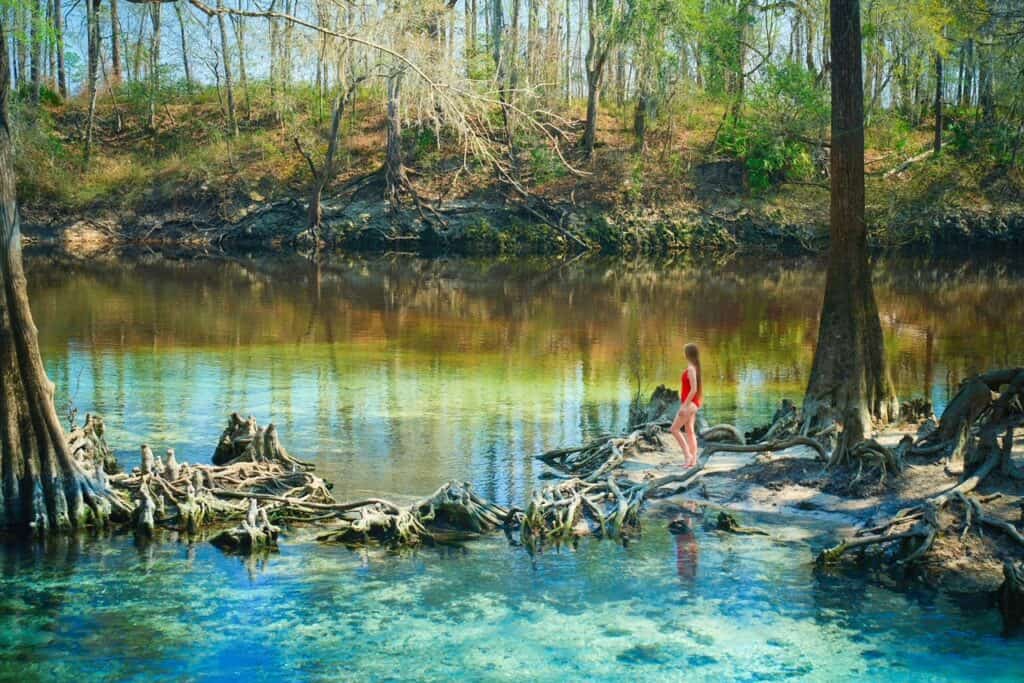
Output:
x=177 y=183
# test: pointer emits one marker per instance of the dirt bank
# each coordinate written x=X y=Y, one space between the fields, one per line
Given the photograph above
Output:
x=489 y=225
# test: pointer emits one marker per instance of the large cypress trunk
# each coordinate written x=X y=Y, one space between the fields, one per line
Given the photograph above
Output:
x=42 y=487
x=849 y=382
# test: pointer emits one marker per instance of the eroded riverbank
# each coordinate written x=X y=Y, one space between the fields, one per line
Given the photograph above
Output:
x=497 y=228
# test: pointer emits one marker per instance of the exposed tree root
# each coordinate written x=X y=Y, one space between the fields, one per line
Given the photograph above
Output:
x=187 y=496
x=453 y=510
x=256 y=533
x=245 y=441
x=1011 y=597
x=599 y=457
x=768 y=446
x=978 y=421
x=561 y=513
x=727 y=522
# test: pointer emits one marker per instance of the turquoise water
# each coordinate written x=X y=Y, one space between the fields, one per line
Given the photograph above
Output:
x=717 y=608
x=395 y=375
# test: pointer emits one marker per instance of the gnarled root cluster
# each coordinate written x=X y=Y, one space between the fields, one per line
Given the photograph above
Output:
x=186 y=496
x=607 y=508
x=255 y=534
x=454 y=510
x=96 y=461
x=245 y=441
x=980 y=416
x=727 y=522
x=594 y=460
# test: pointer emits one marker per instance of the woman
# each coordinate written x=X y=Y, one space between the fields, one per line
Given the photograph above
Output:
x=691 y=394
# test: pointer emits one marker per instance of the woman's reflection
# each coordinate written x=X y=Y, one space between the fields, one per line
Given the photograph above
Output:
x=687 y=550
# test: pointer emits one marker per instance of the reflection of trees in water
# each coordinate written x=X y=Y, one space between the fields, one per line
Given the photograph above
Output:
x=483 y=332
x=949 y=319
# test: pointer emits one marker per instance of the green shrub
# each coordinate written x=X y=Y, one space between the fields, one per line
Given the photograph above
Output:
x=888 y=130
x=545 y=165
x=786 y=113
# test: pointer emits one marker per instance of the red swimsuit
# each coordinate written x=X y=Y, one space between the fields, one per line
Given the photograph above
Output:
x=685 y=390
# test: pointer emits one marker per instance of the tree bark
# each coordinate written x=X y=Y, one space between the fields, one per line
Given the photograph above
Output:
x=93 y=28
x=58 y=29
x=393 y=164
x=226 y=59
x=116 y=69
x=968 y=90
x=470 y=34
x=243 y=75
x=849 y=382
x=184 y=45
x=42 y=487
x=938 y=104
x=155 y=10
x=595 y=61
x=325 y=173
x=36 y=39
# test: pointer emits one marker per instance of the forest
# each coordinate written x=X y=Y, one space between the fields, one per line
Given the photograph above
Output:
x=565 y=336
x=672 y=116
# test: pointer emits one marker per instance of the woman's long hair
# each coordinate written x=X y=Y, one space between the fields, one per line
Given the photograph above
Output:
x=693 y=355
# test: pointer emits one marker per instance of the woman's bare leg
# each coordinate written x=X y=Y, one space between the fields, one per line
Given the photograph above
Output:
x=675 y=430
x=691 y=437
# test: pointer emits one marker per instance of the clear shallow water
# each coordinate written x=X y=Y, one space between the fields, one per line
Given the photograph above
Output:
x=396 y=375
x=710 y=608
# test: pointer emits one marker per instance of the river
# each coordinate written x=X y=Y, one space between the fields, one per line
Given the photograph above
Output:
x=395 y=374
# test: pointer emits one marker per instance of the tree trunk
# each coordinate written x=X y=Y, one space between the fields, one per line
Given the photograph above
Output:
x=274 y=65
x=968 y=93
x=640 y=121
x=986 y=87
x=155 y=10
x=58 y=29
x=593 y=99
x=184 y=45
x=116 y=71
x=136 y=70
x=51 y=48
x=938 y=104
x=36 y=38
x=849 y=382
x=226 y=59
x=93 y=27
x=325 y=173
x=243 y=75
x=470 y=34
x=393 y=164
x=497 y=28
x=21 y=14
x=595 y=60
x=42 y=487
x=533 y=41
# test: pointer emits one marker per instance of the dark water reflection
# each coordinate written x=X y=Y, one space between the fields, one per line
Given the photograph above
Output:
x=395 y=374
